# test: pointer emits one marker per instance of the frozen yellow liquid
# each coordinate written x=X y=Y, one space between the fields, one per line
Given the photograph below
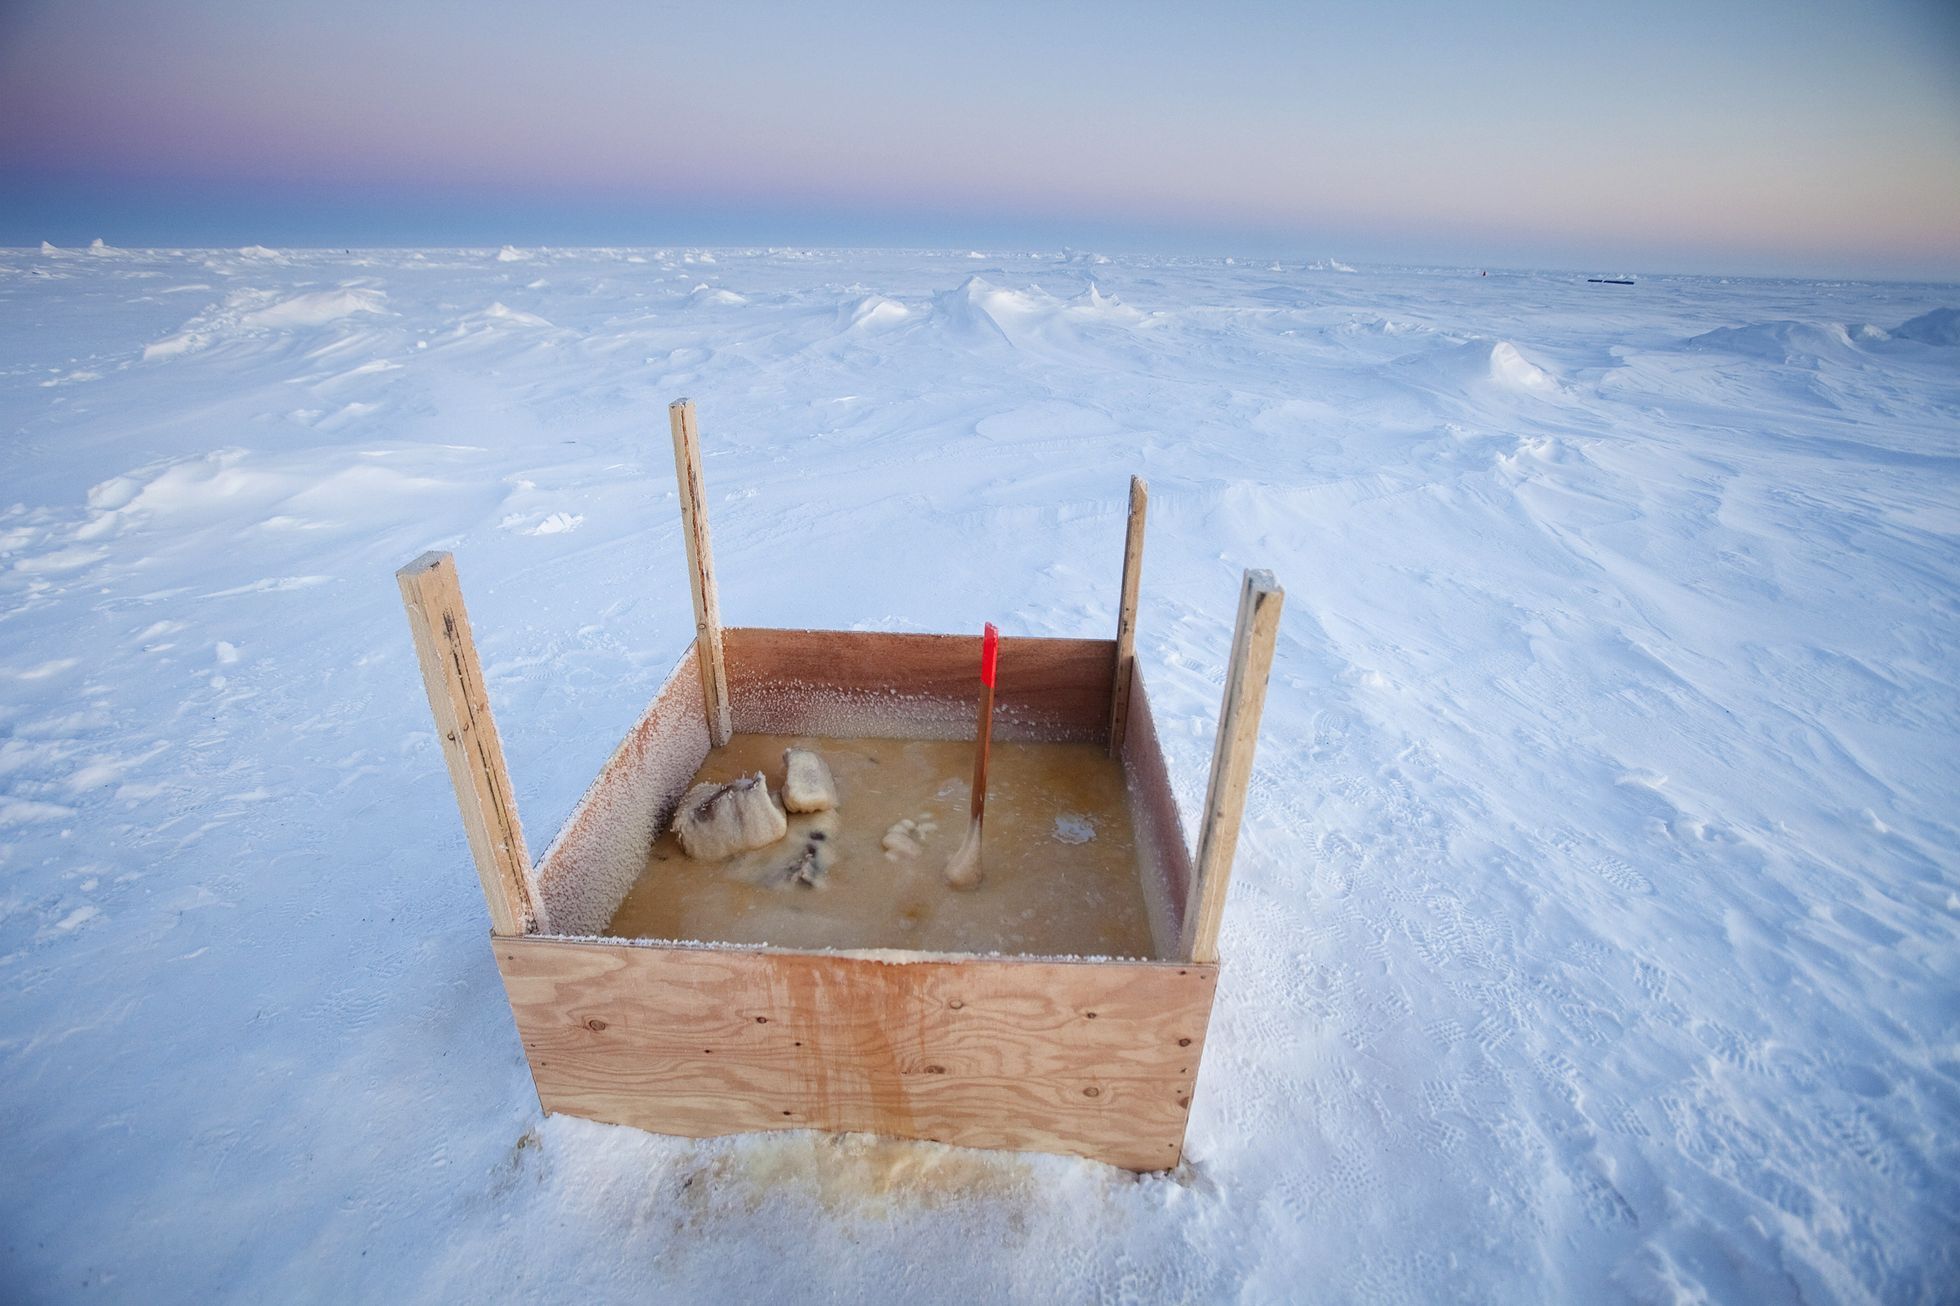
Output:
x=1058 y=847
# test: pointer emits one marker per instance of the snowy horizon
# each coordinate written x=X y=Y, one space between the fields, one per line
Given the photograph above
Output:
x=1059 y=255
x=1795 y=139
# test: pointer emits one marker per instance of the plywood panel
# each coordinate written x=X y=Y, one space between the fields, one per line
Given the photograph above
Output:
x=1163 y=856
x=603 y=847
x=843 y=682
x=1092 y=1058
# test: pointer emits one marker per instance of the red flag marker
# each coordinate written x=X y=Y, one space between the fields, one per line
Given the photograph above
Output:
x=965 y=870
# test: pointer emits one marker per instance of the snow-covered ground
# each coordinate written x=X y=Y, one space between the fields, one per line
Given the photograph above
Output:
x=1594 y=928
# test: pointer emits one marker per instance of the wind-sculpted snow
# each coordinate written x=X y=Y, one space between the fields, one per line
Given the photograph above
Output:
x=1939 y=327
x=249 y=310
x=1461 y=369
x=1593 y=934
x=1789 y=342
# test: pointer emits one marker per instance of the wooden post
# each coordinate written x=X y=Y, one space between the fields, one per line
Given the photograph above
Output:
x=1260 y=601
x=454 y=679
x=1126 y=619
x=700 y=569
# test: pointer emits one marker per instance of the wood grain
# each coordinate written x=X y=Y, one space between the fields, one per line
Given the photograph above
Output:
x=700 y=568
x=848 y=682
x=1126 y=617
x=1253 y=639
x=471 y=749
x=1096 y=1059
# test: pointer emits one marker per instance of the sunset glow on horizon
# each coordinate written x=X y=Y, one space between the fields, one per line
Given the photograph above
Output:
x=1800 y=138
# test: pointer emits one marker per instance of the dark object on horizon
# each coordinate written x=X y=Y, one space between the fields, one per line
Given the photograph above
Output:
x=1610 y=281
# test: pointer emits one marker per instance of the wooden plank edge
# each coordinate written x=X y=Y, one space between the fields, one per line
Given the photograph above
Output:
x=884 y=956
x=702 y=589
x=1126 y=615
x=466 y=733
x=1254 y=637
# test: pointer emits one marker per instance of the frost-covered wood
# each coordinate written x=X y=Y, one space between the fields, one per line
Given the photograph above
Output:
x=603 y=846
x=847 y=683
x=1163 y=856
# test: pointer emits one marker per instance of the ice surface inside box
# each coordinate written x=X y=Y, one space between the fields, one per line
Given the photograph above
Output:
x=1060 y=851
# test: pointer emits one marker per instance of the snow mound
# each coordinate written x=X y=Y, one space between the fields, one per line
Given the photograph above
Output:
x=317 y=308
x=1377 y=325
x=511 y=254
x=1095 y=304
x=1510 y=368
x=1782 y=342
x=234 y=485
x=502 y=312
x=1477 y=365
x=964 y=307
x=261 y=252
x=978 y=307
x=183 y=342
x=1939 y=327
x=705 y=294
x=557 y=523
x=48 y=249
x=1030 y=316
x=1328 y=265
x=874 y=311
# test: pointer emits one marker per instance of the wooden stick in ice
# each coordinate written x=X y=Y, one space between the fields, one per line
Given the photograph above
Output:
x=965 y=870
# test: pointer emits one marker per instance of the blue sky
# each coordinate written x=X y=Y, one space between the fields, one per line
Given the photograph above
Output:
x=1743 y=137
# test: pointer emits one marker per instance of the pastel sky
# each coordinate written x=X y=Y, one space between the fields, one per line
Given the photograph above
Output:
x=1716 y=135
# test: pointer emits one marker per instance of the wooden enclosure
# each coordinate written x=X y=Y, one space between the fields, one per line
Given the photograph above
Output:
x=1090 y=1056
